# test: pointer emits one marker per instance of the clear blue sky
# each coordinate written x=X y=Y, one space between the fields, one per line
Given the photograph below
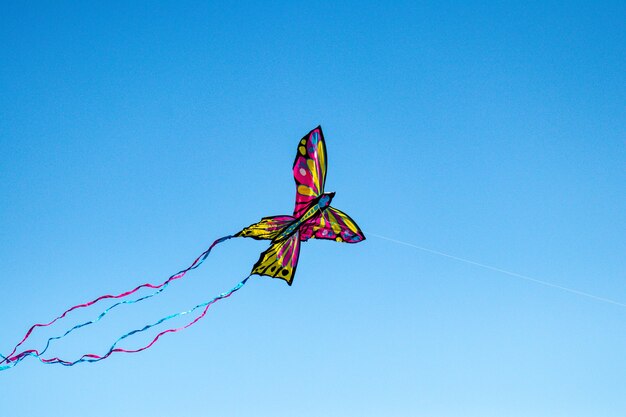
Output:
x=132 y=136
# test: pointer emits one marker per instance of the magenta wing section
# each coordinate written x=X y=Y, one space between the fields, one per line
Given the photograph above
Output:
x=309 y=169
x=332 y=224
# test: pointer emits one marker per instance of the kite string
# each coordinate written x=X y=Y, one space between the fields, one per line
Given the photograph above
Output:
x=90 y=357
x=503 y=271
x=160 y=288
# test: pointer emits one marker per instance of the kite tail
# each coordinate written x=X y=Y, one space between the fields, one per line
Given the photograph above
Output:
x=91 y=357
x=160 y=288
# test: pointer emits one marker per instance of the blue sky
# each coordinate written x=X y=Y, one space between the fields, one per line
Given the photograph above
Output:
x=132 y=136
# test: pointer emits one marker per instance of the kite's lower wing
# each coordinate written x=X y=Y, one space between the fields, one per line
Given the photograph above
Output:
x=280 y=260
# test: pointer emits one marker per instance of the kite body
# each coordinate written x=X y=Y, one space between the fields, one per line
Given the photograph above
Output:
x=313 y=216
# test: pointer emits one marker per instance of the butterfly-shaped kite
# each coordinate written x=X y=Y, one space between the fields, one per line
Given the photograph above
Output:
x=313 y=217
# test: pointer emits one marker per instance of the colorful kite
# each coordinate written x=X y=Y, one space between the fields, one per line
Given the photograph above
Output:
x=313 y=217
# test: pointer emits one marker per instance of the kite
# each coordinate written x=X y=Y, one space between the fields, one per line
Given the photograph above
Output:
x=313 y=218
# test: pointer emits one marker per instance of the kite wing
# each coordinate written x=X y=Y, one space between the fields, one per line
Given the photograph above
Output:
x=280 y=260
x=332 y=224
x=309 y=169
x=268 y=228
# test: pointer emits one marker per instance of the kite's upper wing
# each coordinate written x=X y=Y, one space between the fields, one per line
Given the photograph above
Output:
x=280 y=260
x=309 y=169
x=332 y=224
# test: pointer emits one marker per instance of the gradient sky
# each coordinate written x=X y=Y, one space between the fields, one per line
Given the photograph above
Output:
x=132 y=136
